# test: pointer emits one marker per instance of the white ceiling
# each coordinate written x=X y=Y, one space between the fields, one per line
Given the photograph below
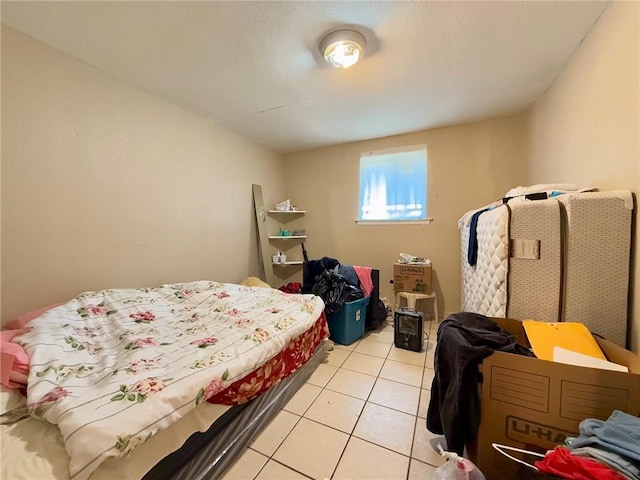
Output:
x=255 y=68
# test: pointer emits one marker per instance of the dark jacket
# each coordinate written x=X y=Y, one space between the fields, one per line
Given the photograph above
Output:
x=313 y=269
x=464 y=339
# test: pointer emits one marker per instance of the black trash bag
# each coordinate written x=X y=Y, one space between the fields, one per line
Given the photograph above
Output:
x=376 y=315
x=312 y=269
x=335 y=290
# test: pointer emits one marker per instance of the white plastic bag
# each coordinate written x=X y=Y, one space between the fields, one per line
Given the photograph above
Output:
x=457 y=468
x=409 y=258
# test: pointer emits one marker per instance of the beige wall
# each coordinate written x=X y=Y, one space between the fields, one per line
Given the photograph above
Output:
x=468 y=166
x=586 y=128
x=104 y=185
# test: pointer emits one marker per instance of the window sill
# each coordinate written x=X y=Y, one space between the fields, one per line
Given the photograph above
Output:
x=394 y=222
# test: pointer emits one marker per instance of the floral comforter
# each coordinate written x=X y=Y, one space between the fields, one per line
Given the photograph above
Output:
x=114 y=367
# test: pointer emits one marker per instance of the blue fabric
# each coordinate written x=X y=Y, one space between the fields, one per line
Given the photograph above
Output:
x=349 y=273
x=619 y=434
x=472 y=251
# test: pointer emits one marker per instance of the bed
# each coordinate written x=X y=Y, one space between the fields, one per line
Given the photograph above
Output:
x=127 y=378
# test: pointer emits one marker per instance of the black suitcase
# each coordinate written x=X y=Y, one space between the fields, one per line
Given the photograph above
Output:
x=376 y=311
x=408 y=330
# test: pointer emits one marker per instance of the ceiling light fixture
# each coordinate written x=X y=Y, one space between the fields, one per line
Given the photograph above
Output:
x=343 y=48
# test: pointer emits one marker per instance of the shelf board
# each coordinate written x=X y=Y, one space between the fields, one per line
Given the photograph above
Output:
x=297 y=262
x=286 y=237
x=288 y=211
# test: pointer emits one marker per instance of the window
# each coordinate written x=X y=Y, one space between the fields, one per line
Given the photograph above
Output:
x=393 y=185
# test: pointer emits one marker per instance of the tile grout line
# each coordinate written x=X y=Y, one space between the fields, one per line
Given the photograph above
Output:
x=300 y=417
x=314 y=421
x=276 y=461
x=379 y=404
x=415 y=426
x=344 y=449
x=352 y=435
x=357 y=420
x=367 y=400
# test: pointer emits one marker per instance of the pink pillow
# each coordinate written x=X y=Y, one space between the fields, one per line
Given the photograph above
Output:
x=15 y=361
x=22 y=320
x=14 y=366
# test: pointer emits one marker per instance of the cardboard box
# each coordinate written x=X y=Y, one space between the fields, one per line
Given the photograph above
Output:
x=535 y=404
x=409 y=277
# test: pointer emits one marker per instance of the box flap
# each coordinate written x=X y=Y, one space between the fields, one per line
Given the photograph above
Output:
x=617 y=354
x=514 y=327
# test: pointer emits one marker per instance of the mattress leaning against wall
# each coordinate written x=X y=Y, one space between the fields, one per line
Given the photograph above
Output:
x=581 y=272
x=484 y=285
x=598 y=248
x=535 y=286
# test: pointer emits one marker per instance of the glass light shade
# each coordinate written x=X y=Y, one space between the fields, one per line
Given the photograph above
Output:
x=343 y=48
x=342 y=54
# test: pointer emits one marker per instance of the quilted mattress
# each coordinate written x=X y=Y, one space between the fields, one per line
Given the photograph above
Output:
x=578 y=270
x=484 y=285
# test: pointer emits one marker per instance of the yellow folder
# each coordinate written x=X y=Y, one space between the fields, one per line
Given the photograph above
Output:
x=543 y=336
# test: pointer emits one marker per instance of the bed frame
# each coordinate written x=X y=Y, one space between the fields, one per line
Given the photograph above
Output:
x=207 y=455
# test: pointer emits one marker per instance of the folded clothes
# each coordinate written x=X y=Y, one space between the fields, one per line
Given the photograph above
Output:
x=562 y=463
x=620 y=434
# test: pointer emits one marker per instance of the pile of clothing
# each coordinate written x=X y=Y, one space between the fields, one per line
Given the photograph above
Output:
x=335 y=283
x=605 y=450
x=291 y=287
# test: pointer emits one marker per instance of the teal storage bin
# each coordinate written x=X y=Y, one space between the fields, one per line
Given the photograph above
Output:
x=347 y=325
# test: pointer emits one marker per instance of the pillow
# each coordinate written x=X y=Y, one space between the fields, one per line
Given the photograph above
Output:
x=14 y=361
x=541 y=187
x=22 y=320
x=254 y=282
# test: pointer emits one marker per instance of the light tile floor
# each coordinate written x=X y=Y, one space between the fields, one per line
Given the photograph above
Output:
x=360 y=416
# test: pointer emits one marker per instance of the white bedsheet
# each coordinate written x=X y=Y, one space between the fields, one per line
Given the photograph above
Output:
x=33 y=449
x=113 y=368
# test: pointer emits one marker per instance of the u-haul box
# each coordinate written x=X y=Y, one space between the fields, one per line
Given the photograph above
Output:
x=535 y=404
